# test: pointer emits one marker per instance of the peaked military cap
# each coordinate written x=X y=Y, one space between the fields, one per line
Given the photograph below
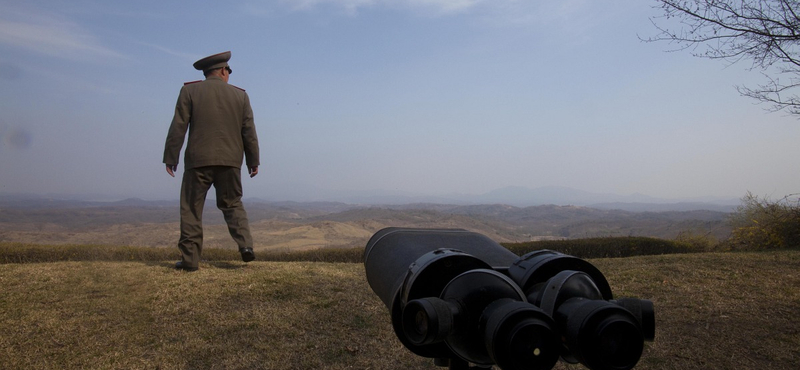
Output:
x=213 y=61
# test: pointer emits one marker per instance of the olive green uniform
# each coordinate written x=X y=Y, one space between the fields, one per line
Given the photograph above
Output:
x=222 y=133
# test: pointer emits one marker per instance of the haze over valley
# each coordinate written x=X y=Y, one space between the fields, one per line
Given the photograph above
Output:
x=308 y=225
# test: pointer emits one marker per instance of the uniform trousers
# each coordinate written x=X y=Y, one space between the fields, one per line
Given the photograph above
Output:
x=227 y=182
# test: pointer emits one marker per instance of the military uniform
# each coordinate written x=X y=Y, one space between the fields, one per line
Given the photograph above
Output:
x=222 y=133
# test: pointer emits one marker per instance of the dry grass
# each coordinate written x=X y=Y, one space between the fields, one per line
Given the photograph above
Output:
x=714 y=311
x=264 y=315
x=36 y=253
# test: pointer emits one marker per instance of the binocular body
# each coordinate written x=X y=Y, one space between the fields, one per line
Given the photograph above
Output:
x=460 y=298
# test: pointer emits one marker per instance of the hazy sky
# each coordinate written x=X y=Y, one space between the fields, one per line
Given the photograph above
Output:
x=410 y=96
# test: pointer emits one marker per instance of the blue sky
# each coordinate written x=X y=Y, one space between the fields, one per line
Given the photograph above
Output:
x=415 y=97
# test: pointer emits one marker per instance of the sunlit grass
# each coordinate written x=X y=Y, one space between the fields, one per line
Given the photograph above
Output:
x=713 y=311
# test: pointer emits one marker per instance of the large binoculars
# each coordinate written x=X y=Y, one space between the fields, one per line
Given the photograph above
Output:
x=467 y=302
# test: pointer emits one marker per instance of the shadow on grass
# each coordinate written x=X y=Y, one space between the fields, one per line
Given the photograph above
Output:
x=226 y=265
x=164 y=264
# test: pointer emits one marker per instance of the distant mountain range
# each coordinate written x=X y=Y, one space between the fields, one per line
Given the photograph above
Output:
x=555 y=195
x=517 y=196
x=513 y=196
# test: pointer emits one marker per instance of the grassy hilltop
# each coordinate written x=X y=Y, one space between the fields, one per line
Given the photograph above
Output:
x=713 y=311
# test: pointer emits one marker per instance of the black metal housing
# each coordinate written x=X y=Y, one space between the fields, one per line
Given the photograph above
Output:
x=461 y=298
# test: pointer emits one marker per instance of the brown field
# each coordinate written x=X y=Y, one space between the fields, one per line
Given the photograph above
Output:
x=267 y=234
x=290 y=227
x=275 y=234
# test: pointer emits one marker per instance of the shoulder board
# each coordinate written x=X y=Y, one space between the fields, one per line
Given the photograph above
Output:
x=237 y=87
x=192 y=82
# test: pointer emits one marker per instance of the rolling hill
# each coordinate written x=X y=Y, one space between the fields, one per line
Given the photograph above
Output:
x=294 y=225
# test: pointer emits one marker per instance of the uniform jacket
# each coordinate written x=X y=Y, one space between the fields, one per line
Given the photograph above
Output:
x=219 y=119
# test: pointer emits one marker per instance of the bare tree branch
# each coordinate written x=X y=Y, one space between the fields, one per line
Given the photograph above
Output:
x=766 y=32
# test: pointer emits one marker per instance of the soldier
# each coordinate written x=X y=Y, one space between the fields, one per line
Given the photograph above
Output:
x=221 y=132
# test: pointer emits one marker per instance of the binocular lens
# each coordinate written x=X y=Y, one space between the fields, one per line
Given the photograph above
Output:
x=521 y=336
x=427 y=321
x=531 y=346
x=421 y=323
x=602 y=335
x=618 y=343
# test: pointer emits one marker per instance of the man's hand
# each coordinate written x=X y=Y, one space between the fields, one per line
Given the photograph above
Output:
x=171 y=168
x=253 y=171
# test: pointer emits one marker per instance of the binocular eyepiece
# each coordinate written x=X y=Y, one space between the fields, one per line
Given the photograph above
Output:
x=461 y=298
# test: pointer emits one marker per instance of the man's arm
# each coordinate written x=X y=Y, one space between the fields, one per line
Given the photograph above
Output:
x=177 y=129
x=171 y=168
x=249 y=137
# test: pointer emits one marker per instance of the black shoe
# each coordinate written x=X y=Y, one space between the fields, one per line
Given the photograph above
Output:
x=180 y=265
x=247 y=254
